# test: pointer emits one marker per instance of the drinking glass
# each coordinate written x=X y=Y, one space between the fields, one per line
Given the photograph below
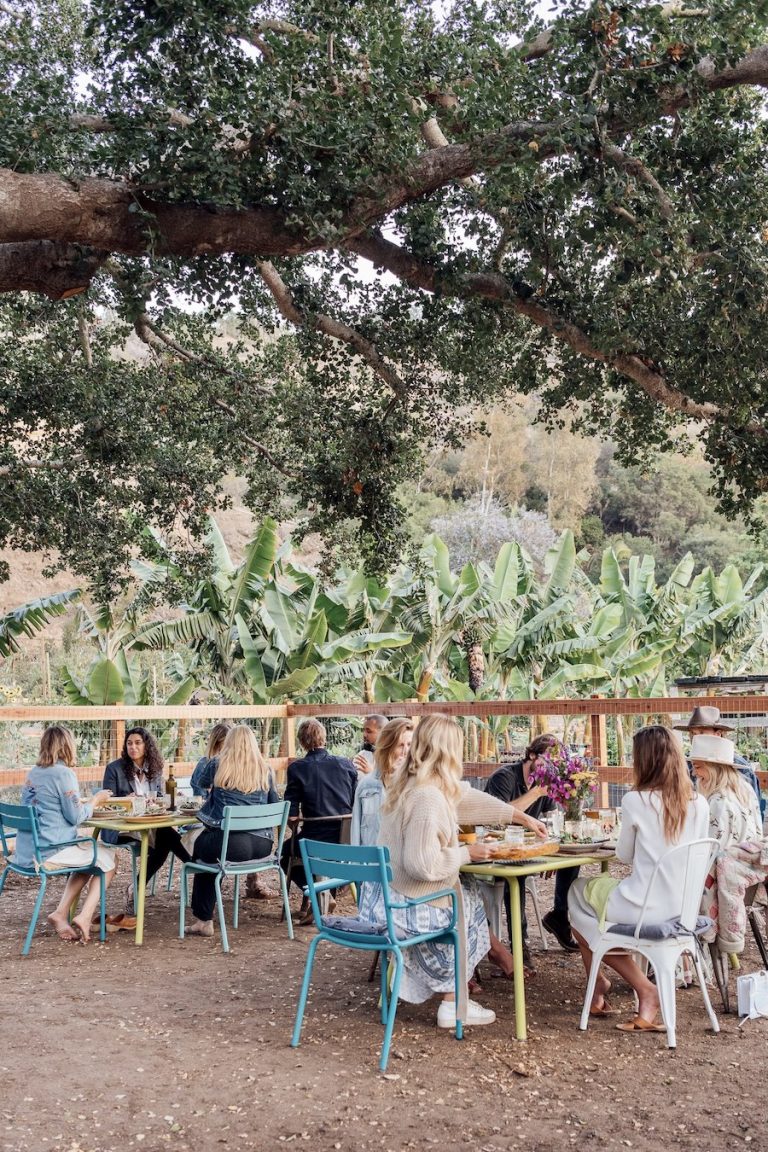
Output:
x=514 y=834
x=138 y=805
x=608 y=820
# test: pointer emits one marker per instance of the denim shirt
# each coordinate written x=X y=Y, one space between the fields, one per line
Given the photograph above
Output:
x=212 y=812
x=366 y=811
x=54 y=793
x=202 y=777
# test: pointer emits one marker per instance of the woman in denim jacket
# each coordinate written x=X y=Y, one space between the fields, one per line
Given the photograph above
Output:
x=53 y=791
x=242 y=779
x=389 y=755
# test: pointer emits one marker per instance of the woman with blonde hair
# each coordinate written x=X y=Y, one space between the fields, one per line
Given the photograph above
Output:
x=242 y=778
x=734 y=813
x=51 y=788
x=660 y=812
x=419 y=826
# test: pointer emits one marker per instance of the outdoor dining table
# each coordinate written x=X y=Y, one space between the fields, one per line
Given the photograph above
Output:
x=129 y=826
x=506 y=870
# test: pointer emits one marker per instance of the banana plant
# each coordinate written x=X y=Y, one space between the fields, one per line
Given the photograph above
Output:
x=29 y=619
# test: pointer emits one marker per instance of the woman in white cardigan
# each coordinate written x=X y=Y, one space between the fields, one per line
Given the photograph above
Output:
x=660 y=812
x=419 y=825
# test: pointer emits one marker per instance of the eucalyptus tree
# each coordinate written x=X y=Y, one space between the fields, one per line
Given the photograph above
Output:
x=414 y=208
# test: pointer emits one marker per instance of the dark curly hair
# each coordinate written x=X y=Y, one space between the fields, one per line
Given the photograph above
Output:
x=153 y=758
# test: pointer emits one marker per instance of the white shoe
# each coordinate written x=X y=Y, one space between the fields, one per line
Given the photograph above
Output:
x=476 y=1014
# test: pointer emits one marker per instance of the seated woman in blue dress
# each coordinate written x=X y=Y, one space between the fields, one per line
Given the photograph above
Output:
x=242 y=778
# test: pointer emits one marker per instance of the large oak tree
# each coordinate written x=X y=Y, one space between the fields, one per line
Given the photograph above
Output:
x=412 y=207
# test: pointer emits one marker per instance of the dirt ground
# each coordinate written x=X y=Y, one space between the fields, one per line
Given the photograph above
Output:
x=177 y=1046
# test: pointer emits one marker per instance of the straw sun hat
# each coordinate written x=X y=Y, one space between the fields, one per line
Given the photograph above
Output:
x=712 y=749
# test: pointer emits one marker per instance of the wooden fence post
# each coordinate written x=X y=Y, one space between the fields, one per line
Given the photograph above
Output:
x=598 y=737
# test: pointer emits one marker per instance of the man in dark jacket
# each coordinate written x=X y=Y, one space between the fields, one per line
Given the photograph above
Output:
x=318 y=785
x=509 y=783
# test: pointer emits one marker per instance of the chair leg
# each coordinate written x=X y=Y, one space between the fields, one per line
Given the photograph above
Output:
x=222 y=922
x=102 y=906
x=457 y=990
x=664 y=969
x=35 y=914
x=286 y=904
x=393 y=994
x=701 y=977
x=236 y=912
x=530 y=884
x=591 y=985
x=296 y=1037
x=384 y=996
x=169 y=884
x=182 y=899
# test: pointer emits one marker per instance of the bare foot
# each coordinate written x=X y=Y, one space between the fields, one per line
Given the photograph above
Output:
x=599 y=1007
x=648 y=1006
x=82 y=926
x=64 y=929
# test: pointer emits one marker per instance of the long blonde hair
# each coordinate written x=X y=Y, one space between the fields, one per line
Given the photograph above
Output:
x=57 y=744
x=241 y=765
x=386 y=745
x=658 y=765
x=435 y=757
x=724 y=778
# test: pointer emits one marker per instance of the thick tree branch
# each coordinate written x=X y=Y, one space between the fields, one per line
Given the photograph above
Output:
x=331 y=327
x=53 y=269
x=492 y=286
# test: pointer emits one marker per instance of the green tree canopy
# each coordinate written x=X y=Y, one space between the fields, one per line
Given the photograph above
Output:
x=412 y=207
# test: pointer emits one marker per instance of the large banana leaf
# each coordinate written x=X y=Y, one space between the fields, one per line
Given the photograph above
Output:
x=605 y=621
x=559 y=564
x=280 y=619
x=75 y=692
x=294 y=685
x=358 y=643
x=435 y=552
x=255 y=569
x=189 y=629
x=28 y=619
x=182 y=694
x=388 y=688
x=105 y=684
x=254 y=668
x=506 y=573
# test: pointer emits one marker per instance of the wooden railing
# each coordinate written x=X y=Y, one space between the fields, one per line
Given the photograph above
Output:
x=596 y=711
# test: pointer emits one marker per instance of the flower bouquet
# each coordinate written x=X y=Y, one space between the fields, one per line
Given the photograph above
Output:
x=567 y=778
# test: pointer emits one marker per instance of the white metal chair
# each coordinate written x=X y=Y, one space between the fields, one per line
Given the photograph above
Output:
x=691 y=862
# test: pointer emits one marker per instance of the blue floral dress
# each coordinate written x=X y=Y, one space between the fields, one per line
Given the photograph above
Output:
x=428 y=968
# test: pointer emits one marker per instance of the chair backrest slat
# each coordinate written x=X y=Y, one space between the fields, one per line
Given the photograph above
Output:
x=352 y=864
x=17 y=818
x=697 y=857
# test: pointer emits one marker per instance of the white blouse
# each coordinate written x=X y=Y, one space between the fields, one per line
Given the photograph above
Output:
x=642 y=843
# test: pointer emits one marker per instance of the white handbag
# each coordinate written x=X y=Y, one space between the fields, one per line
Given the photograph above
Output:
x=752 y=991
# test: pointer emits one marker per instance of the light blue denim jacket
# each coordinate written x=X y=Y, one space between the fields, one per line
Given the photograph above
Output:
x=54 y=793
x=366 y=810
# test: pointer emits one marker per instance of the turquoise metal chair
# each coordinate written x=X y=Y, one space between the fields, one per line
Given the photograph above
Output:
x=336 y=864
x=15 y=818
x=246 y=818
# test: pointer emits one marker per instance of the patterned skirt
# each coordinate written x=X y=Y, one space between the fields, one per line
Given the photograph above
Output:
x=428 y=967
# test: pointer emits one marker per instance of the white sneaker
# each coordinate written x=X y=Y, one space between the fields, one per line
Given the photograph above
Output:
x=476 y=1014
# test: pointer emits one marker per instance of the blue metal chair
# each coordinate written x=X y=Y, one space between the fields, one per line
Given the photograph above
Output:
x=337 y=864
x=246 y=818
x=23 y=818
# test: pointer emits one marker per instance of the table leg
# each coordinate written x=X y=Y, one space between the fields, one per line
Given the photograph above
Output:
x=141 y=886
x=521 y=1032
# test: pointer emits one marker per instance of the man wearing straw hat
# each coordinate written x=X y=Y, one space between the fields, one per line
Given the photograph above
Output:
x=705 y=720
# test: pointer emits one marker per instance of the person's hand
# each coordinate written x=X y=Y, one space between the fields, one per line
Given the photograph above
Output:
x=534 y=825
x=538 y=791
x=479 y=853
x=101 y=797
x=363 y=763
